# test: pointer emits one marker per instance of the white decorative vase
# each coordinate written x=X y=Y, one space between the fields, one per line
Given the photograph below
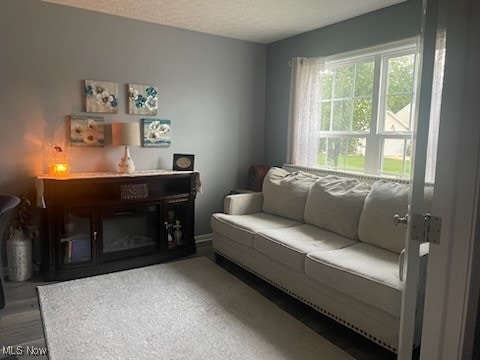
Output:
x=126 y=164
x=19 y=257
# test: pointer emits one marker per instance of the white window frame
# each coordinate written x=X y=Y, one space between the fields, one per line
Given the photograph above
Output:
x=375 y=138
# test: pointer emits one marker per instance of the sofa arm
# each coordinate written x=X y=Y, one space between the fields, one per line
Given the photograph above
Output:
x=423 y=253
x=242 y=204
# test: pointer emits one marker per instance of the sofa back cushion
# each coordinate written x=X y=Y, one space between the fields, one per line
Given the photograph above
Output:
x=376 y=226
x=285 y=193
x=335 y=203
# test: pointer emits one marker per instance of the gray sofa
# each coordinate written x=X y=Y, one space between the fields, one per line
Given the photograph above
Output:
x=329 y=241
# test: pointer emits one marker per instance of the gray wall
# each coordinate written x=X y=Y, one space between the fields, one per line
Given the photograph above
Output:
x=211 y=88
x=389 y=24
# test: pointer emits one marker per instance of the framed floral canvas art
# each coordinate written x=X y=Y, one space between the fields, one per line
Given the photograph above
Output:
x=101 y=96
x=142 y=99
x=156 y=133
x=86 y=131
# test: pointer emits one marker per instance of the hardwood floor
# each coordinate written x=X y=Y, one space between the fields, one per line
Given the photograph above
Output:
x=20 y=322
x=21 y=325
x=356 y=345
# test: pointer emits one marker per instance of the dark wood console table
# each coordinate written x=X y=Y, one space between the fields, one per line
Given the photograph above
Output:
x=95 y=223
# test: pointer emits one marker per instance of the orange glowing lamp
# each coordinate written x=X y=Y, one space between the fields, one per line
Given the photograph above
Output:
x=59 y=165
x=60 y=169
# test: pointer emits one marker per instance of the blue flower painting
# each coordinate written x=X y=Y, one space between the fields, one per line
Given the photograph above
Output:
x=101 y=96
x=142 y=99
x=156 y=133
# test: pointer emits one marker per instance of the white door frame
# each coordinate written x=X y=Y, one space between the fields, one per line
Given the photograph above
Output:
x=425 y=75
x=451 y=296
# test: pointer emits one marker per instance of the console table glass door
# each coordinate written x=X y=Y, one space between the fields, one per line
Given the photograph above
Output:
x=76 y=238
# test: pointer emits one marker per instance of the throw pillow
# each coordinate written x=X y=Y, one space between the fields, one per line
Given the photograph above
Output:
x=335 y=203
x=285 y=193
x=386 y=198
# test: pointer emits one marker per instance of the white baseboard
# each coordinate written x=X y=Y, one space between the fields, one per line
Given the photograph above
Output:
x=199 y=239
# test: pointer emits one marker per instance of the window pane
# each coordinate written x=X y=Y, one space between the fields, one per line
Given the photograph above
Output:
x=362 y=114
x=343 y=82
x=397 y=120
x=322 y=153
x=396 y=103
x=326 y=112
x=364 y=79
x=342 y=115
x=396 y=157
x=342 y=154
x=327 y=84
x=355 y=155
x=400 y=76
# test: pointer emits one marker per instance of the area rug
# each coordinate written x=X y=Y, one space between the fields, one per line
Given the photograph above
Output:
x=190 y=309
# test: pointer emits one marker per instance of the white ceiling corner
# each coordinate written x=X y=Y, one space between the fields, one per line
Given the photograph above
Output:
x=261 y=21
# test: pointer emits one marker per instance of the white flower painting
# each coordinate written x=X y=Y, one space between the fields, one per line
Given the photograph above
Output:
x=101 y=96
x=156 y=133
x=86 y=131
x=142 y=99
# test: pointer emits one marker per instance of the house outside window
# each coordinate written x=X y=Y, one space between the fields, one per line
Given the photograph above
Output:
x=367 y=104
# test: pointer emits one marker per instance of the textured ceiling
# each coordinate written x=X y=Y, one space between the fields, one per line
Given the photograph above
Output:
x=262 y=21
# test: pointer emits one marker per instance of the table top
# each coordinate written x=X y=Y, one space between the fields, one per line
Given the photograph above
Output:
x=106 y=174
x=99 y=175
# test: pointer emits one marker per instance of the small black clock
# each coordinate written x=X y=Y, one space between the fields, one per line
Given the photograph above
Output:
x=183 y=162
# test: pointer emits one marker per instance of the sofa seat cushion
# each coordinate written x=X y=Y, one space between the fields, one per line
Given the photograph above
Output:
x=242 y=228
x=335 y=203
x=289 y=246
x=285 y=193
x=362 y=271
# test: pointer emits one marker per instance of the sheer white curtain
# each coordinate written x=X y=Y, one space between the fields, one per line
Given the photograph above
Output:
x=304 y=110
x=435 y=108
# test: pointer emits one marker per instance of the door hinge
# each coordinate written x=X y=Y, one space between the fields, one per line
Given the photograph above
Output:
x=426 y=228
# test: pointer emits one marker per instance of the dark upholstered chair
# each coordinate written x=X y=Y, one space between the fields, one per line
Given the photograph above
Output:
x=7 y=205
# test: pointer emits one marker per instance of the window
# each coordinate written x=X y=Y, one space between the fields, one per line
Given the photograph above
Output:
x=366 y=111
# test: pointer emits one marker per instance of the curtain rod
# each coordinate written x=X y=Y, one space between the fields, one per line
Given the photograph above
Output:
x=321 y=59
